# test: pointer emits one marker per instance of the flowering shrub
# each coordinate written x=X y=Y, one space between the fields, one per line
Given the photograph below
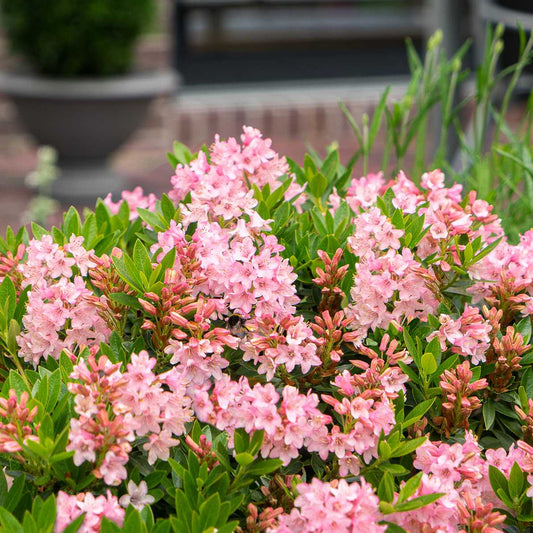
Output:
x=268 y=348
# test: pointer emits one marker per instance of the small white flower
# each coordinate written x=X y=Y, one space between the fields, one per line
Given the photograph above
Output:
x=137 y=496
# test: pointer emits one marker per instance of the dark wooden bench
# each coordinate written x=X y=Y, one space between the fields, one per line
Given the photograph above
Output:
x=184 y=8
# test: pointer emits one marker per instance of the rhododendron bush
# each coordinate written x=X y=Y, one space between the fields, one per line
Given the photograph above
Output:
x=268 y=348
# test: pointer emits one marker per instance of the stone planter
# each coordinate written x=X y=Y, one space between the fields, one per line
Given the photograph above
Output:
x=85 y=120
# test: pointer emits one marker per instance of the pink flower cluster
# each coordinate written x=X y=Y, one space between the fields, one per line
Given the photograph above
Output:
x=335 y=506
x=287 y=341
x=134 y=199
x=297 y=422
x=247 y=273
x=365 y=412
x=200 y=359
x=58 y=315
x=469 y=335
x=506 y=275
x=293 y=425
x=114 y=408
x=70 y=507
x=445 y=214
x=220 y=187
x=17 y=426
x=46 y=260
x=460 y=473
x=373 y=234
x=243 y=269
x=389 y=288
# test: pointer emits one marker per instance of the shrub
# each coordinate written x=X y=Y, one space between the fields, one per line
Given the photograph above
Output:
x=70 y=38
x=268 y=347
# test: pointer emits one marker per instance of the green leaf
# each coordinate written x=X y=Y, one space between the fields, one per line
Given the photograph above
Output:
x=12 y=333
x=330 y=165
x=209 y=511
x=241 y=440
x=319 y=222
x=15 y=493
x=3 y=488
x=386 y=488
x=527 y=381
x=40 y=391
x=9 y=522
x=318 y=185
x=489 y=413
x=497 y=479
x=38 y=231
x=47 y=513
x=378 y=116
x=395 y=469
x=229 y=527
x=107 y=526
x=162 y=526
x=434 y=348
x=504 y=497
x=167 y=208
x=393 y=528
x=428 y=363
x=66 y=365
x=410 y=345
x=408 y=447
x=8 y=298
x=75 y=525
x=71 y=223
x=524 y=328
x=182 y=154
x=417 y=413
x=29 y=524
x=46 y=428
x=244 y=458
x=17 y=383
x=263 y=467
x=384 y=450
x=410 y=487
x=516 y=481
x=413 y=376
x=386 y=508
x=128 y=272
x=141 y=258
x=263 y=210
x=132 y=521
x=155 y=220
x=418 y=502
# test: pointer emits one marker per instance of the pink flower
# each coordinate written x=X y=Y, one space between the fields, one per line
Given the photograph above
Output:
x=158 y=446
x=137 y=496
x=95 y=508
x=112 y=469
x=336 y=506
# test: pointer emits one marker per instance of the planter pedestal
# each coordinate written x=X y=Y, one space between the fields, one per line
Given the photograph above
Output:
x=82 y=181
x=85 y=120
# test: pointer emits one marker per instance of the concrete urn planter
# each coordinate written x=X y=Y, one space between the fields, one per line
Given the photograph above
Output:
x=85 y=120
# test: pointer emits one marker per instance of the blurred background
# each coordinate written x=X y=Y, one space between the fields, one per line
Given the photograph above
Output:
x=279 y=65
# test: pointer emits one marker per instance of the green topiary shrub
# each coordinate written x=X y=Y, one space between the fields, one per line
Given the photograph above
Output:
x=67 y=38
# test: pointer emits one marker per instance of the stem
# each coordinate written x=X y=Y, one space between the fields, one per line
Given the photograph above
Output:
x=16 y=360
x=522 y=62
x=445 y=120
x=420 y=150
